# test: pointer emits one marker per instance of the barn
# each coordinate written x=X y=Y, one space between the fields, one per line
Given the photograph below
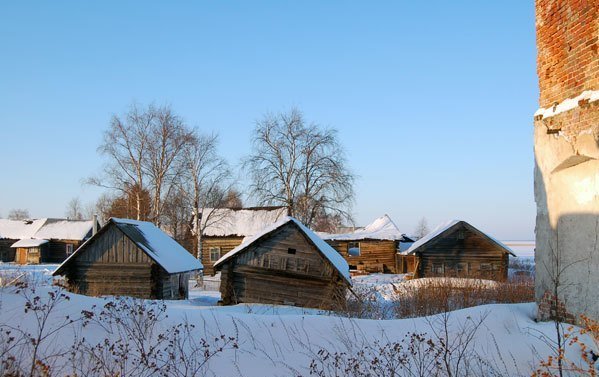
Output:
x=130 y=258
x=225 y=228
x=286 y=263
x=372 y=248
x=458 y=249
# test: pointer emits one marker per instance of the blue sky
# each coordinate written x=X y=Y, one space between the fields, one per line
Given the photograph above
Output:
x=433 y=100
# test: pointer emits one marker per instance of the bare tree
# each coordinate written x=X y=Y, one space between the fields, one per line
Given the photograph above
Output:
x=144 y=148
x=18 y=214
x=74 y=209
x=168 y=137
x=300 y=166
x=206 y=183
x=422 y=228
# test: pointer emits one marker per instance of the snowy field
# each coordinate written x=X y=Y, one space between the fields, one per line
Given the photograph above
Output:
x=283 y=341
x=271 y=340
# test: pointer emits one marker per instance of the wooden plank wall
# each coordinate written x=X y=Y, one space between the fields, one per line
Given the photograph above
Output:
x=463 y=257
x=267 y=273
x=226 y=244
x=375 y=255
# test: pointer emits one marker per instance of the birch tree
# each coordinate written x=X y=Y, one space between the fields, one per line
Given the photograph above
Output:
x=300 y=166
x=207 y=181
x=125 y=145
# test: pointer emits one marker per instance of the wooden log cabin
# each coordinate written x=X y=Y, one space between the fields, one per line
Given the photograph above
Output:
x=224 y=229
x=371 y=249
x=286 y=264
x=12 y=231
x=22 y=241
x=130 y=258
x=64 y=237
x=457 y=249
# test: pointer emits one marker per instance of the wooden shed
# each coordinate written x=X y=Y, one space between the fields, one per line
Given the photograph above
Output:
x=372 y=248
x=130 y=258
x=457 y=249
x=225 y=228
x=286 y=263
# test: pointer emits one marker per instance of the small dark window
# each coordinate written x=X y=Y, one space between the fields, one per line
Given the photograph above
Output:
x=69 y=249
x=290 y=251
x=460 y=235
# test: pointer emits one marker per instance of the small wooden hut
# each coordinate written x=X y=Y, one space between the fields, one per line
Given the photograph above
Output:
x=287 y=264
x=371 y=249
x=457 y=249
x=225 y=228
x=29 y=251
x=130 y=258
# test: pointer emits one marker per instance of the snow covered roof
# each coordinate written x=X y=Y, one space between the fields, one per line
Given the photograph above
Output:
x=18 y=229
x=164 y=250
x=327 y=251
x=61 y=229
x=444 y=227
x=239 y=222
x=382 y=228
x=29 y=242
x=57 y=229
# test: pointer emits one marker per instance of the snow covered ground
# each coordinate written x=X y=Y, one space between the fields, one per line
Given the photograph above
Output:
x=283 y=341
x=279 y=341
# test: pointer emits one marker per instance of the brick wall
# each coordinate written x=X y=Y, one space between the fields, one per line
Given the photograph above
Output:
x=567 y=46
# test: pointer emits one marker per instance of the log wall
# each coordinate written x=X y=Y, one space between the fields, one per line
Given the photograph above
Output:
x=267 y=273
x=474 y=255
x=56 y=250
x=7 y=253
x=375 y=255
x=226 y=244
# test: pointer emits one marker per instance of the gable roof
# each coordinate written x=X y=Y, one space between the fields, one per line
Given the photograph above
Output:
x=17 y=229
x=325 y=249
x=239 y=222
x=45 y=229
x=442 y=228
x=164 y=250
x=382 y=228
x=62 y=229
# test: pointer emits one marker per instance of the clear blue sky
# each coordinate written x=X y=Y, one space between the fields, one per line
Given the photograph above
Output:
x=433 y=100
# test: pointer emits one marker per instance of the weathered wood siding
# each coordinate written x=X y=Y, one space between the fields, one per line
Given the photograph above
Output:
x=462 y=252
x=375 y=255
x=7 y=253
x=226 y=244
x=267 y=273
x=112 y=264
